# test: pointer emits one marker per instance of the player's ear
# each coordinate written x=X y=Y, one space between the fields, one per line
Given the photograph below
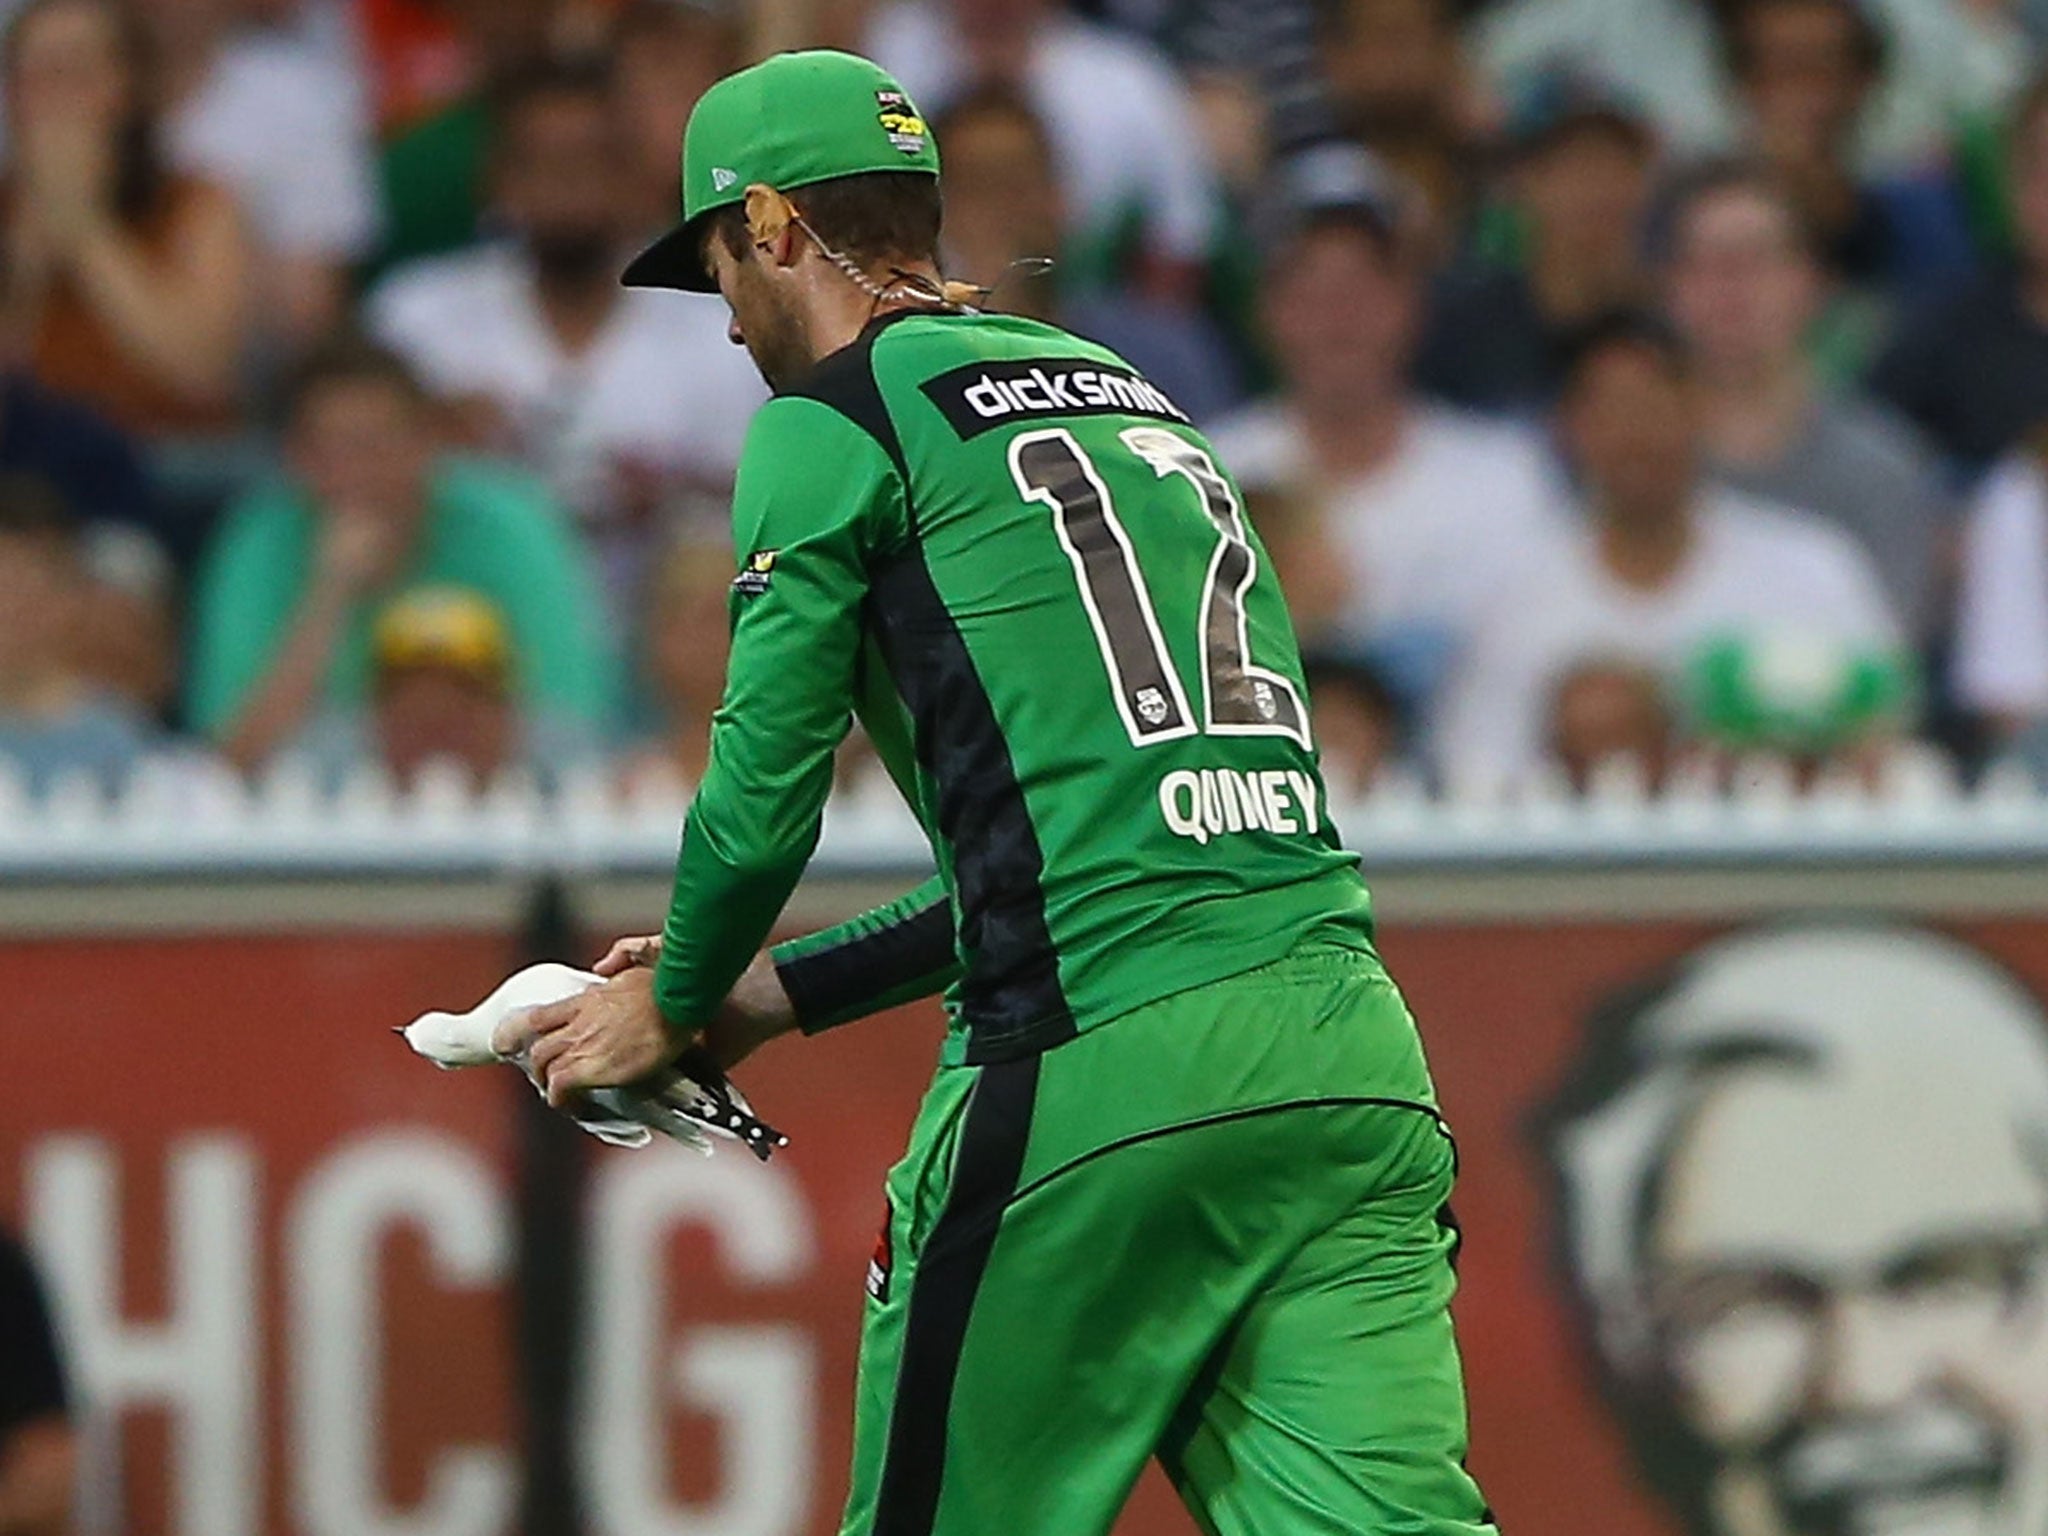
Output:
x=770 y=217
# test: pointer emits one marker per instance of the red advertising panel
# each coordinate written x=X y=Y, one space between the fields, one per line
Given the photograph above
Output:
x=1756 y=1219
x=1756 y=1228
x=278 y=1246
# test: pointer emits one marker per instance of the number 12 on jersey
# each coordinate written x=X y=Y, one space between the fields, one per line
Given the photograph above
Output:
x=1239 y=698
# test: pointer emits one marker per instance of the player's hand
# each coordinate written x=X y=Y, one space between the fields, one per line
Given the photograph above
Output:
x=627 y=953
x=359 y=549
x=607 y=1037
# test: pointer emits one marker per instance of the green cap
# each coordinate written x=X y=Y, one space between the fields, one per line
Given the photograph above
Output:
x=789 y=121
x=1792 y=693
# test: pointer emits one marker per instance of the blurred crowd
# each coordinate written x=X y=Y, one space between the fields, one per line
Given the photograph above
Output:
x=1651 y=382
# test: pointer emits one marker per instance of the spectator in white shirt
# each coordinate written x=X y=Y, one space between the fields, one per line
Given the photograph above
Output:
x=1402 y=517
x=283 y=124
x=1664 y=570
x=2001 y=651
x=632 y=403
x=1125 y=133
x=1743 y=284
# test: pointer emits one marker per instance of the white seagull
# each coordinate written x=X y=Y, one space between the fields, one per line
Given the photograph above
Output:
x=690 y=1102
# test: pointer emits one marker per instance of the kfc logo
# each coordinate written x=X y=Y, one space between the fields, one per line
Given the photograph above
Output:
x=1802 y=1193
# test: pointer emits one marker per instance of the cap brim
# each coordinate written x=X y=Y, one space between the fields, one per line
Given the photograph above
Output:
x=673 y=261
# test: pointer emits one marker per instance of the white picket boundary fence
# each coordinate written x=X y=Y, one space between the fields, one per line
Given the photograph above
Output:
x=189 y=816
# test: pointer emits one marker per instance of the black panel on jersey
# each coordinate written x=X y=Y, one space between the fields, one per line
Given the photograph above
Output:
x=1010 y=996
x=830 y=981
x=993 y=1137
x=845 y=380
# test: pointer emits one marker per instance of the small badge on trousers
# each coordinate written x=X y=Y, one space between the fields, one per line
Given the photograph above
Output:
x=878 y=1261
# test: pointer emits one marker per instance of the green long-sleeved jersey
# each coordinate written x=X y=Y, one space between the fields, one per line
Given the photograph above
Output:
x=1024 y=570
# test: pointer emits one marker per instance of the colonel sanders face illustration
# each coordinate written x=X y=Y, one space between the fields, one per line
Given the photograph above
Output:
x=1804 y=1207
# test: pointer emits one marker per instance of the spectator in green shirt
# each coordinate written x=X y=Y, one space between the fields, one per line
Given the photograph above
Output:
x=286 y=594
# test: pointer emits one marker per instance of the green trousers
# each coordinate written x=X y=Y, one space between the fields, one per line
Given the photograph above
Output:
x=1213 y=1230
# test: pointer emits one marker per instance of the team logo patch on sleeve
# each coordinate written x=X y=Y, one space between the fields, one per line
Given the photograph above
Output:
x=981 y=396
x=900 y=121
x=752 y=580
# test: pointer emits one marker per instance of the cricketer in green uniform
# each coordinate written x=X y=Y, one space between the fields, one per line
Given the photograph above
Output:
x=1179 y=1185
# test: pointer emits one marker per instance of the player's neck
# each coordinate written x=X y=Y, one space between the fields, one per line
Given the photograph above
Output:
x=839 y=310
